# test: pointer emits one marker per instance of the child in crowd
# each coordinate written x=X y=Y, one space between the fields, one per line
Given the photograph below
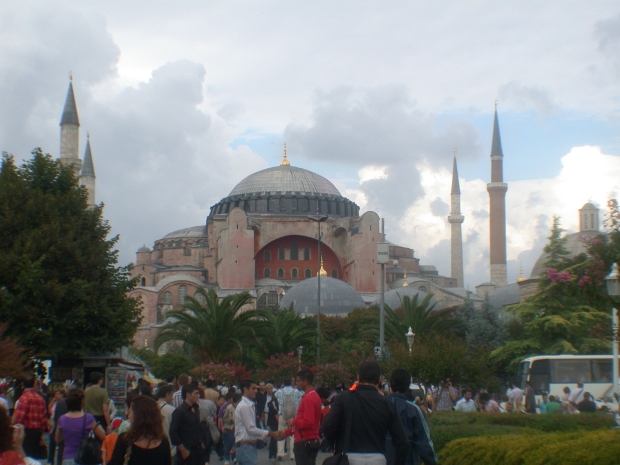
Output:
x=110 y=441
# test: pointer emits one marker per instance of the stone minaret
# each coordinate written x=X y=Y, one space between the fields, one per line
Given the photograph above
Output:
x=87 y=176
x=70 y=133
x=456 y=237
x=497 y=215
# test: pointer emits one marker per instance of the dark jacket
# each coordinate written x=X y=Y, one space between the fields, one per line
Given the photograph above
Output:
x=418 y=435
x=185 y=426
x=373 y=417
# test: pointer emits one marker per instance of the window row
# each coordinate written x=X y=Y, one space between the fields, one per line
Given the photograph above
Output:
x=167 y=297
x=294 y=253
x=281 y=273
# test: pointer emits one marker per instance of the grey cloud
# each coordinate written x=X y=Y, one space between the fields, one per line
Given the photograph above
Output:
x=607 y=33
x=439 y=207
x=527 y=97
x=480 y=214
x=541 y=231
x=439 y=255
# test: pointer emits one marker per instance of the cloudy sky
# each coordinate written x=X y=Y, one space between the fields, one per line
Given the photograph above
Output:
x=184 y=99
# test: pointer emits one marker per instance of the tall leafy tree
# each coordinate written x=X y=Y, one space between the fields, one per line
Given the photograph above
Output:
x=61 y=293
x=555 y=250
x=219 y=330
x=483 y=328
x=288 y=331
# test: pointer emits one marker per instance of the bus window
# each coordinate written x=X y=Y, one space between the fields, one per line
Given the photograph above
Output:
x=540 y=376
x=601 y=371
x=570 y=371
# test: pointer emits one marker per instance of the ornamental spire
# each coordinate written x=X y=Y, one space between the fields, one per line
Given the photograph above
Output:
x=285 y=161
x=405 y=283
x=322 y=271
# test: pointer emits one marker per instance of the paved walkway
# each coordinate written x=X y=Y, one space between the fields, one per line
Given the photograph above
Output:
x=263 y=459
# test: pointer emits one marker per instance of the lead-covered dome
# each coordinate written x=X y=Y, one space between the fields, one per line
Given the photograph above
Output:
x=285 y=179
x=337 y=297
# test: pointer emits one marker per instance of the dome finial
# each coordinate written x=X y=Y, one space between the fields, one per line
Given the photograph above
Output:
x=322 y=271
x=285 y=161
x=521 y=276
x=405 y=283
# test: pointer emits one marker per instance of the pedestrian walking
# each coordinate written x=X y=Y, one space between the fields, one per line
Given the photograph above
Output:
x=164 y=401
x=228 y=422
x=288 y=401
x=185 y=428
x=369 y=416
x=272 y=408
x=31 y=412
x=96 y=401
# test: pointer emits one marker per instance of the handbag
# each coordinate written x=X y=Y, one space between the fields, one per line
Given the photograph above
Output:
x=215 y=433
x=343 y=458
x=89 y=452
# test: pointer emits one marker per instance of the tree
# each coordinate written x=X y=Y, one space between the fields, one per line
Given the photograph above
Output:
x=171 y=363
x=217 y=332
x=555 y=249
x=288 y=331
x=13 y=358
x=483 y=327
x=62 y=293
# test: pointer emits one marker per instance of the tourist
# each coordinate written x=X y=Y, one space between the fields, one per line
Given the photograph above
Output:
x=261 y=401
x=228 y=422
x=246 y=432
x=373 y=416
x=107 y=447
x=576 y=396
x=11 y=440
x=487 y=404
x=210 y=393
x=565 y=397
x=144 y=443
x=177 y=398
x=96 y=401
x=530 y=398
x=271 y=410
x=288 y=401
x=444 y=397
x=587 y=405
x=164 y=400
x=31 y=412
x=185 y=428
x=514 y=393
x=554 y=406
x=75 y=425
x=542 y=405
x=208 y=411
x=466 y=404
x=412 y=417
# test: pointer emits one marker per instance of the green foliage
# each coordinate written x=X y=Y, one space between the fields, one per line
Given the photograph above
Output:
x=62 y=293
x=330 y=374
x=229 y=373
x=220 y=331
x=279 y=367
x=483 y=329
x=171 y=363
x=146 y=355
x=583 y=447
x=288 y=330
x=555 y=249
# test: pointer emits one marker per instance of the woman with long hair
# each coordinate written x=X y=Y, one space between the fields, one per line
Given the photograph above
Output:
x=145 y=442
x=74 y=426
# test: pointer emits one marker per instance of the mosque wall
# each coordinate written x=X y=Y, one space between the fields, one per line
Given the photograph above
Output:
x=362 y=272
x=235 y=267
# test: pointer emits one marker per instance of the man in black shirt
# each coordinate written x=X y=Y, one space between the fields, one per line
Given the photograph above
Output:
x=185 y=428
x=373 y=416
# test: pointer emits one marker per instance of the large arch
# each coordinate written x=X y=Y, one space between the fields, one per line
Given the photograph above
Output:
x=299 y=252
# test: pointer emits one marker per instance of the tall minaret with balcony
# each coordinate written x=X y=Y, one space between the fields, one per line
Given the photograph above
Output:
x=70 y=133
x=87 y=176
x=497 y=209
x=456 y=219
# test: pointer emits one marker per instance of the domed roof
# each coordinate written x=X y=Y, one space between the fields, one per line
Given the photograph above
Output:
x=285 y=179
x=589 y=206
x=144 y=248
x=337 y=297
x=194 y=231
x=574 y=244
x=393 y=298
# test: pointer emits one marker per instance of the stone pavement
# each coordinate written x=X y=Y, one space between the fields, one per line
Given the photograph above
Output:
x=263 y=459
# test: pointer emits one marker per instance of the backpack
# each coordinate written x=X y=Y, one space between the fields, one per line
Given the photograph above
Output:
x=289 y=410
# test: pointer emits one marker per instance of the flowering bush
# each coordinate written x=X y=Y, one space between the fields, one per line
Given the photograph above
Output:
x=279 y=367
x=230 y=373
x=330 y=374
x=556 y=276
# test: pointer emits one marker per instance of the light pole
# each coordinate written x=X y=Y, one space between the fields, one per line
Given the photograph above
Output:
x=300 y=349
x=319 y=219
x=613 y=289
x=410 y=337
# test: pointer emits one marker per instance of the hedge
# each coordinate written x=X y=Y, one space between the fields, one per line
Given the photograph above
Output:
x=600 y=447
x=448 y=426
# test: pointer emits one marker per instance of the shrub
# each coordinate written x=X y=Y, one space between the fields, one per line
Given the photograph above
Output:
x=446 y=434
x=535 y=448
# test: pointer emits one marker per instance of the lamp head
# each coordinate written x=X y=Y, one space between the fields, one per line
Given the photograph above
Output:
x=613 y=282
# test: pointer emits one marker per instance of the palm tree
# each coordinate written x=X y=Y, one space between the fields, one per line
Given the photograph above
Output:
x=217 y=331
x=421 y=317
x=288 y=331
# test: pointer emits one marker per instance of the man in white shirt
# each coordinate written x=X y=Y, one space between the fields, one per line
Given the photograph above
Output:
x=577 y=395
x=164 y=400
x=515 y=393
x=288 y=401
x=466 y=404
x=246 y=432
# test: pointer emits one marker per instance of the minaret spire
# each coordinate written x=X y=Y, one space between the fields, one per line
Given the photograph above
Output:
x=70 y=132
x=87 y=176
x=497 y=208
x=456 y=235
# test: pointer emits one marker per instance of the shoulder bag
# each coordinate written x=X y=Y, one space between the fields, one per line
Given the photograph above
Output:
x=342 y=458
x=89 y=452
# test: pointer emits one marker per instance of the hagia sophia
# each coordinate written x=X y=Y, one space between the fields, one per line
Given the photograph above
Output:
x=263 y=237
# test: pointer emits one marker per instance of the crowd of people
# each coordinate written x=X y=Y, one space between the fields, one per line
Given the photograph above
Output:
x=182 y=421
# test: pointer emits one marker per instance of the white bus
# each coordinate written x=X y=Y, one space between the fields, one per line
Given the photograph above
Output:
x=551 y=373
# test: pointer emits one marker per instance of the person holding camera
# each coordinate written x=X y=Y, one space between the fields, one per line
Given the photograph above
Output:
x=444 y=397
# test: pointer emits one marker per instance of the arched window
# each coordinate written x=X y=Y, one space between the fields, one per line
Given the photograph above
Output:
x=306 y=253
x=281 y=253
x=335 y=273
x=267 y=255
x=294 y=273
x=200 y=298
x=294 y=204
x=308 y=273
x=294 y=250
x=272 y=299
x=143 y=282
x=182 y=294
x=280 y=272
x=267 y=273
x=167 y=297
x=160 y=315
x=422 y=288
x=187 y=250
x=282 y=204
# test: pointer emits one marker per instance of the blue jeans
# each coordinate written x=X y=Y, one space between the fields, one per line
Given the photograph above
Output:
x=229 y=442
x=246 y=454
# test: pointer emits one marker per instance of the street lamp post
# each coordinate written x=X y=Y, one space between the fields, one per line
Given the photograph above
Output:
x=410 y=337
x=613 y=289
x=300 y=349
x=319 y=219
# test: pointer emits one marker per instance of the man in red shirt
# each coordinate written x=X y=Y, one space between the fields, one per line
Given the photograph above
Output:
x=307 y=422
x=31 y=412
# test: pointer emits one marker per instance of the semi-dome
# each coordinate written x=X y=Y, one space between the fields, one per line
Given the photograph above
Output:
x=337 y=297
x=285 y=179
x=194 y=231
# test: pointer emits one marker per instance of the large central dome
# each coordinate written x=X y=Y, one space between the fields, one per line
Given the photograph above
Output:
x=285 y=179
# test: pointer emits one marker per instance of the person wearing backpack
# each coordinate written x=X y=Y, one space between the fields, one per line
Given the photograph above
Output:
x=418 y=435
x=288 y=401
